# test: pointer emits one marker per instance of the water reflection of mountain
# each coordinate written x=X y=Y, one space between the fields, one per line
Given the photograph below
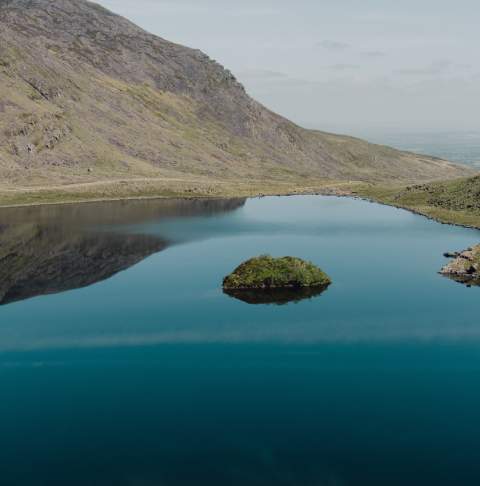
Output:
x=38 y=260
x=52 y=249
x=117 y=212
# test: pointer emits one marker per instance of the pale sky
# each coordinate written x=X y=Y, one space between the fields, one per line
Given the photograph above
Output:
x=337 y=64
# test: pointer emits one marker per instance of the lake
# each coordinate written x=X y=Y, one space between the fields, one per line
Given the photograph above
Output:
x=122 y=362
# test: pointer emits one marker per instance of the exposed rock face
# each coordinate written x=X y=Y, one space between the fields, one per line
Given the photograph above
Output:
x=85 y=95
x=465 y=267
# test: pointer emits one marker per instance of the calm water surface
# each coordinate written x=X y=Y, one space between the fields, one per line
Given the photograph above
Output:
x=123 y=363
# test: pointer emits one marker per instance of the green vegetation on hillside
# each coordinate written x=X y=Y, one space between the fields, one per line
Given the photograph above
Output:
x=456 y=202
x=266 y=272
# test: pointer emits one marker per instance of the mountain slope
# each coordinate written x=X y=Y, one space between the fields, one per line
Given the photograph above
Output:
x=87 y=96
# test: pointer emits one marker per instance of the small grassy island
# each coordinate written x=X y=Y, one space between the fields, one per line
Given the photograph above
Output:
x=266 y=272
x=268 y=280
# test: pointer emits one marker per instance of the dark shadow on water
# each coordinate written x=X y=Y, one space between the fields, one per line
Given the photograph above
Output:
x=275 y=296
x=39 y=260
x=465 y=280
x=117 y=212
x=52 y=249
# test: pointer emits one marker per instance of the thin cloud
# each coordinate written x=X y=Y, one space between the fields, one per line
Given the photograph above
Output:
x=434 y=69
x=332 y=45
x=374 y=53
x=343 y=67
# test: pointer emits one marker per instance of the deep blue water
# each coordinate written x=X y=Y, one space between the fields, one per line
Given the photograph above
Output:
x=154 y=377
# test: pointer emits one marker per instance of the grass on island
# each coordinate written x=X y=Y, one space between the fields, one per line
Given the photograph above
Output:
x=266 y=272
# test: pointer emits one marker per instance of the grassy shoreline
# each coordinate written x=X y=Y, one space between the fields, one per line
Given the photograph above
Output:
x=132 y=190
x=419 y=200
x=402 y=197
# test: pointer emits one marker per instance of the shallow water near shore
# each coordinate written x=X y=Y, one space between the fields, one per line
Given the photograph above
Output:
x=123 y=362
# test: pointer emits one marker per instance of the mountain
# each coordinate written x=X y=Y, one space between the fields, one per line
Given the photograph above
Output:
x=92 y=104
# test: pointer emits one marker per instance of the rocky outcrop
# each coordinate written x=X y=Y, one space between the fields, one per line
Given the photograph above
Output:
x=465 y=267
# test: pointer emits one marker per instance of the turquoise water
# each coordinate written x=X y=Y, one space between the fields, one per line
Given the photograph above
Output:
x=149 y=375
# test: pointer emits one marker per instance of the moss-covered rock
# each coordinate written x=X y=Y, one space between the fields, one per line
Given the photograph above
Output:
x=266 y=272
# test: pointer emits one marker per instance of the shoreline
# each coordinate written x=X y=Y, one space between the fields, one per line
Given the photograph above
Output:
x=215 y=190
x=415 y=211
x=349 y=190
